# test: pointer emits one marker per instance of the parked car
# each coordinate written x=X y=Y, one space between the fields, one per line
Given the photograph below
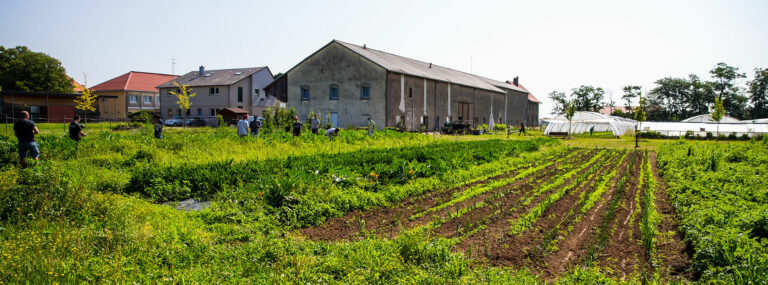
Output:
x=196 y=122
x=175 y=122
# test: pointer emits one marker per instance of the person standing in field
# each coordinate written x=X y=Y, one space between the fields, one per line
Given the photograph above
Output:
x=255 y=127
x=242 y=126
x=332 y=133
x=296 y=126
x=315 y=124
x=25 y=130
x=371 y=127
x=76 y=130
x=522 y=129
x=158 y=127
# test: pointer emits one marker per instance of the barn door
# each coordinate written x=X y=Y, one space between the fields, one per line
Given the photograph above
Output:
x=463 y=111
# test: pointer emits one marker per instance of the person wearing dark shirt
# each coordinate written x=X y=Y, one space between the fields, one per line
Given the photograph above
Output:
x=296 y=126
x=75 y=129
x=25 y=130
x=522 y=129
x=255 y=127
x=158 y=128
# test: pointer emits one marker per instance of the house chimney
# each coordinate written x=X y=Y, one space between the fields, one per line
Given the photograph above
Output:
x=515 y=81
x=202 y=71
x=364 y=46
x=430 y=65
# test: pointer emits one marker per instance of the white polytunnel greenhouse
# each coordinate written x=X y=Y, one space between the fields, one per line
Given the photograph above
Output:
x=701 y=129
x=583 y=121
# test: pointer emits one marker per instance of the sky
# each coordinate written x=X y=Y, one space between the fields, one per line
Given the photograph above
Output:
x=550 y=45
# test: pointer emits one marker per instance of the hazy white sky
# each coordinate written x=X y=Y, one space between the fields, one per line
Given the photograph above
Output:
x=551 y=45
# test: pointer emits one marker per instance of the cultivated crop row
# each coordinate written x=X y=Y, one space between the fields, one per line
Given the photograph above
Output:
x=720 y=192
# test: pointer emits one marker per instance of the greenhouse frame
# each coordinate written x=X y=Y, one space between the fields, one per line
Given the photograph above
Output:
x=583 y=121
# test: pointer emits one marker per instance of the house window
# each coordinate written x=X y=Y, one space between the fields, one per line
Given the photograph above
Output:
x=239 y=94
x=304 y=92
x=133 y=99
x=365 y=91
x=188 y=113
x=178 y=112
x=199 y=112
x=239 y=107
x=333 y=92
x=213 y=112
x=214 y=91
x=410 y=92
x=147 y=100
x=256 y=92
x=170 y=112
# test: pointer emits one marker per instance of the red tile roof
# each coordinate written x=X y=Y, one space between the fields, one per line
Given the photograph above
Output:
x=77 y=87
x=135 y=81
x=530 y=95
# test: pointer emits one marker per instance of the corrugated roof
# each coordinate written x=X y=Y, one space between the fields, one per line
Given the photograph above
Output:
x=134 y=81
x=404 y=65
x=213 y=77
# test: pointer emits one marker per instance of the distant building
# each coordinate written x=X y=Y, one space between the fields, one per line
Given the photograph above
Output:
x=608 y=110
x=240 y=88
x=130 y=92
x=354 y=82
x=42 y=106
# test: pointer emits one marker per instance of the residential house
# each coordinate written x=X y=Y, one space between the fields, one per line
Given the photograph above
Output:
x=130 y=92
x=241 y=88
x=353 y=82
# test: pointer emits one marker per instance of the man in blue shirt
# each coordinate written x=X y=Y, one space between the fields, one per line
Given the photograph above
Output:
x=242 y=126
x=25 y=130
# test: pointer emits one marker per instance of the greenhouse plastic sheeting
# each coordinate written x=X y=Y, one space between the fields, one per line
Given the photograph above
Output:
x=583 y=121
x=701 y=129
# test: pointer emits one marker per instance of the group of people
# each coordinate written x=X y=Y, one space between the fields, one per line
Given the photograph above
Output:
x=25 y=131
x=255 y=125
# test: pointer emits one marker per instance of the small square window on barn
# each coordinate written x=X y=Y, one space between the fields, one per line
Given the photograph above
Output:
x=410 y=92
x=239 y=94
x=304 y=92
x=365 y=91
x=333 y=92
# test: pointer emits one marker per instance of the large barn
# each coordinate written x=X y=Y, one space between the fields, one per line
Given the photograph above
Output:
x=352 y=83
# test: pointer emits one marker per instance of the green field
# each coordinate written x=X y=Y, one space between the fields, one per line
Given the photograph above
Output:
x=396 y=208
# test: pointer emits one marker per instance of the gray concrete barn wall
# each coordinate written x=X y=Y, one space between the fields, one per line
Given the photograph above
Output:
x=336 y=64
x=412 y=108
x=516 y=110
x=437 y=102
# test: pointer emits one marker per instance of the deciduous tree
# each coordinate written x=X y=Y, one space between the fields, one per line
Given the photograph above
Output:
x=725 y=85
x=84 y=102
x=631 y=92
x=183 y=95
x=758 y=94
x=24 y=70
x=588 y=98
x=560 y=101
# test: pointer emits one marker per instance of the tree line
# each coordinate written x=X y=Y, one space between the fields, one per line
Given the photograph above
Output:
x=674 y=98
